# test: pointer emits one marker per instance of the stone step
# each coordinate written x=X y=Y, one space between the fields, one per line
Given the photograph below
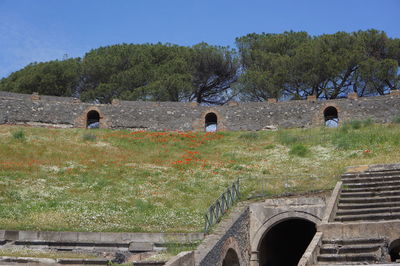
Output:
x=352 y=241
x=372 y=185
x=369 y=194
x=371 y=189
x=71 y=244
x=368 y=217
x=369 y=200
x=338 y=258
x=371 y=174
x=370 y=179
x=354 y=206
x=367 y=211
x=349 y=249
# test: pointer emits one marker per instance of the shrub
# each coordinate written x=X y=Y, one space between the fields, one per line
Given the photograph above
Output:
x=299 y=150
x=287 y=139
x=89 y=137
x=19 y=135
x=357 y=124
x=249 y=136
x=396 y=119
x=269 y=146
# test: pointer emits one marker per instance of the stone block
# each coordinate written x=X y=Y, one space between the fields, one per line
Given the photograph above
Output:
x=394 y=92
x=111 y=237
x=69 y=236
x=49 y=236
x=312 y=98
x=89 y=237
x=185 y=258
x=140 y=246
x=28 y=235
x=35 y=96
x=11 y=235
x=352 y=96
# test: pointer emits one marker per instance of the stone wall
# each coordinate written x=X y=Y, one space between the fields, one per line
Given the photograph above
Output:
x=41 y=110
x=236 y=238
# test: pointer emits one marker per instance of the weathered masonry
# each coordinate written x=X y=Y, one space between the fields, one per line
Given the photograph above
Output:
x=38 y=110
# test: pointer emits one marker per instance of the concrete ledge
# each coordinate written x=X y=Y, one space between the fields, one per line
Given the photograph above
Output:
x=84 y=261
x=185 y=258
x=332 y=203
x=148 y=263
x=99 y=237
x=381 y=229
x=25 y=260
x=310 y=255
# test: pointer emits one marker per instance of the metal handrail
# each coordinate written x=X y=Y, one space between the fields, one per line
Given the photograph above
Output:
x=221 y=205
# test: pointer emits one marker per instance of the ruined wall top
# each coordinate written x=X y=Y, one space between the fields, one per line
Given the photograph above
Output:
x=35 y=109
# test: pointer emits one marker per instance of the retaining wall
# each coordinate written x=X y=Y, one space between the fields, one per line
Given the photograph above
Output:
x=38 y=110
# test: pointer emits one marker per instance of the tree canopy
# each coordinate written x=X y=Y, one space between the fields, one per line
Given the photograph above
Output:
x=294 y=64
x=290 y=65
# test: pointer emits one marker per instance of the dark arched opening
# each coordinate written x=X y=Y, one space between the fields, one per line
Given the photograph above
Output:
x=394 y=250
x=285 y=243
x=211 y=122
x=331 y=117
x=231 y=258
x=93 y=119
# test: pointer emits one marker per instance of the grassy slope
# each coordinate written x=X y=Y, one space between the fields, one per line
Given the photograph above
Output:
x=53 y=179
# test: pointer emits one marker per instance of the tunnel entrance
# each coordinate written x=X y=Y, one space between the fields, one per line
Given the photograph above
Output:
x=211 y=122
x=331 y=117
x=231 y=258
x=93 y=119
x=285 y=243
x=394 y=250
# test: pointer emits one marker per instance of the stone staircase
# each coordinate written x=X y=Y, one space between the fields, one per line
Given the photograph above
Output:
x=352 y=251
x=367 y=199
x=369 y=196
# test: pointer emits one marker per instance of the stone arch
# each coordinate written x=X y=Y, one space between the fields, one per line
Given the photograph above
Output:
x=211 y=122
x=91 y=113
x=331 y=116
x=231 y=258
x=200 y=124
x=230 y=253
x=273 y=222
x=319 y=117
x=93 y=119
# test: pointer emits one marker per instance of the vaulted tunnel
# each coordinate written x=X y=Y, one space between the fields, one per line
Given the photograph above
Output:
x=331 y=117
x=93 y=119
x=285 y=243
x=394 y=250
x=211 y=122
x=231 y=258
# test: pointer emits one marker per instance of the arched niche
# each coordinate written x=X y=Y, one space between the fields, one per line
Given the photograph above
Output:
x=91 y=115
x=93 y=119
x=231 y=258
x=331 y=116
x=211 y=122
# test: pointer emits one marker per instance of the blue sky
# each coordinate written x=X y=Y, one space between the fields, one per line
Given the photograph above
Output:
x=42 y=30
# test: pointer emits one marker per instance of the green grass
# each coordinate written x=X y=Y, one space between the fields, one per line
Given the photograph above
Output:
x=165 y=181
x=35 y=253
x=18 y=135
